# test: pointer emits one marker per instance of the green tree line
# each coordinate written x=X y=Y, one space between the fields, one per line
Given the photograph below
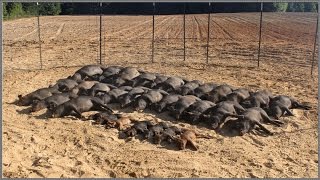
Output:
x=13 y=10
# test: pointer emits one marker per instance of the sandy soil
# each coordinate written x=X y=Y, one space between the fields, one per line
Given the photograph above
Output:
x=34 y=146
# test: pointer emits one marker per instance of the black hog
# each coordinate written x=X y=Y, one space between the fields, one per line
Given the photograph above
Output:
x=238 y=95
x=204 y=89
x=183 y=103
x=148 y=98
x=125 y=88
x=101 y=88
x=165 y=102
x=258 y=99
x=55 y=99
x=102 y=118
x=65 y=85
x=113 y=95
x=90 y=72
x=156 y=130
x=193 y=112
x=171 y=84
x=282 y=104
x=144 y=79
x=126 y=75
x=189 y=87
x=139 y=127
x=218 y=93
x=217 y=115
x=39 y=94
x=250 y=119
x=168 y=134
x=159 y=80
x=83 y=87
x=110 y=74
x=78 y=105
x=127 y=99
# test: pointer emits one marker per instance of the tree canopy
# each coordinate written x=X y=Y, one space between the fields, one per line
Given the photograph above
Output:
x=18 y=9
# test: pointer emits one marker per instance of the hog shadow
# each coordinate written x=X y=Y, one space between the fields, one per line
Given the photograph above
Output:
x=27 y=111
x=13 y=103
x=165 y=116
x=173 y=146
x=24 y=111
x=227 y=131
x=163 y=145
x=44 y=115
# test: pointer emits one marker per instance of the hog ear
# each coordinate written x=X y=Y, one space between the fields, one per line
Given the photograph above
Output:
x=189 y=113
x=251 y=92
x=52 y=106
x=164 y=92
x=19 y=96
x=35 y=101
x=224 y=98
x=206 y=116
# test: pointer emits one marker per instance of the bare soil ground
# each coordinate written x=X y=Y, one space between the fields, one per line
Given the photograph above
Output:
x=34 y=146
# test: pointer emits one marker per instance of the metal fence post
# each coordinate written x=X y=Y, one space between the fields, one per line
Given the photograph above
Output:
x=100 y=40
x=39 y=37
x=315 y=43
x=184 y=31
x=208 y=35
x=261 y=10
x=154 y=7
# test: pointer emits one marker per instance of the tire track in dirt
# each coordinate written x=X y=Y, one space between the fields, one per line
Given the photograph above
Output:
x=274 y=32
x=282 y=29
x=143 y=30
x=203 y=21
x=250 y=23
x=241 y=29
x=132 y=40
x=191 y=22
x=58 y=32
x=165 y=28
x=134 y=21
x=177 y=31
x=225 y=32
x=123 y=30
x=200 y=33
x=129 y=28
x=30 y=33
x=284 y=17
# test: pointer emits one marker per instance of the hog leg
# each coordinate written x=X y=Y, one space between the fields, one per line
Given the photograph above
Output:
x=192 y=143
x=305 y=107
x=233 y=115
x=98 y=104
x=289 y=113
x=239 y=108
x=78 y=113
x=263 y=128
x=267 y=119
x=183 y=143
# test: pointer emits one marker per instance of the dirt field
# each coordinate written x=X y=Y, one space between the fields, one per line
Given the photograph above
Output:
x=34 y=146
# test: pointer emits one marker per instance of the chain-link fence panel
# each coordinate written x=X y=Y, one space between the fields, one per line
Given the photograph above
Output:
x=21 y=44
x=288 y=38
x=69 y=40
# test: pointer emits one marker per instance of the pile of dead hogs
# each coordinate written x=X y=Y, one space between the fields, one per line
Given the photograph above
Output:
x=94 y=87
